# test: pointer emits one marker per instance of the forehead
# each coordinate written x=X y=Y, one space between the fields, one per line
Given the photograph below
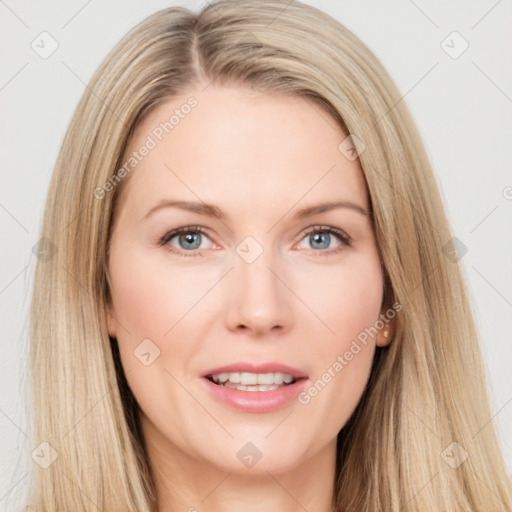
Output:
x=232 y=144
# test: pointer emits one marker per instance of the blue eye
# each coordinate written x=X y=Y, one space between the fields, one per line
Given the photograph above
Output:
x=189 y=240
x=321 y=237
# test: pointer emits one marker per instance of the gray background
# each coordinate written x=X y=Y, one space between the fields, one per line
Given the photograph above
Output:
x=462 y=107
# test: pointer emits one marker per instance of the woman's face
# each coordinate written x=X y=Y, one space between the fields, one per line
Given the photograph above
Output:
x=264 y=285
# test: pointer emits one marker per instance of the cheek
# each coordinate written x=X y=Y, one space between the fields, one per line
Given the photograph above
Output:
x=346 y=298
x=150 y=301
x=145 y=304
x=151 y=296
x=155 y=299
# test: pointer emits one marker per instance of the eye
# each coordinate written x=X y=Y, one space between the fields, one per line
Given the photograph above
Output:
x=187 y=239
x=321 y=238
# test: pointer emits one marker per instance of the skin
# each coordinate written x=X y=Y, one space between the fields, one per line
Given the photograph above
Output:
x=259 y=157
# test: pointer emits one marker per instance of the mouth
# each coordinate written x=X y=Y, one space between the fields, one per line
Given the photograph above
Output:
x=246 y=381
x=254 y=388
x=246 y=376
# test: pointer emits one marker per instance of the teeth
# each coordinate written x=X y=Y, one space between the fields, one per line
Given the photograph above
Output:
x=259 y=387
x=245 y=379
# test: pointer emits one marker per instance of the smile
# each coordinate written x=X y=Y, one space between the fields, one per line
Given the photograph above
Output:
x=245 y=381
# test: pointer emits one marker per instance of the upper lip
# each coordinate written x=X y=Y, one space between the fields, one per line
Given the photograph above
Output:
x=243 y=366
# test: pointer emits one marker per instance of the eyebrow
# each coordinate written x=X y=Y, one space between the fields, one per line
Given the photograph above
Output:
x=214 y=211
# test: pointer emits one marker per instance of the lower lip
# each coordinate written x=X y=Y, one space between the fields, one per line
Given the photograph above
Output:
x=256 y=401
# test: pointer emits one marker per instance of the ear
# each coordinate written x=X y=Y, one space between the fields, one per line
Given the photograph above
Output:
x=386 y=334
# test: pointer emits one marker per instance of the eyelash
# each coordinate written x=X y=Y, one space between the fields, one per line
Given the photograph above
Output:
x=343 y=237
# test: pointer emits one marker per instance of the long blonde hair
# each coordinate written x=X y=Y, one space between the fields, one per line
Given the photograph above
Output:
x=420 y=438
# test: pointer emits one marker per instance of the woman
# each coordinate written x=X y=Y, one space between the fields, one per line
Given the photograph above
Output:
x=319 y=352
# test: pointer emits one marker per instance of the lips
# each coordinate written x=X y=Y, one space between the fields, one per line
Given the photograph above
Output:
x=248 y=399
x=254 y=398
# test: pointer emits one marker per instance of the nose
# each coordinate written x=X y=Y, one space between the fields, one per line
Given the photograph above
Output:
x=258 y=300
